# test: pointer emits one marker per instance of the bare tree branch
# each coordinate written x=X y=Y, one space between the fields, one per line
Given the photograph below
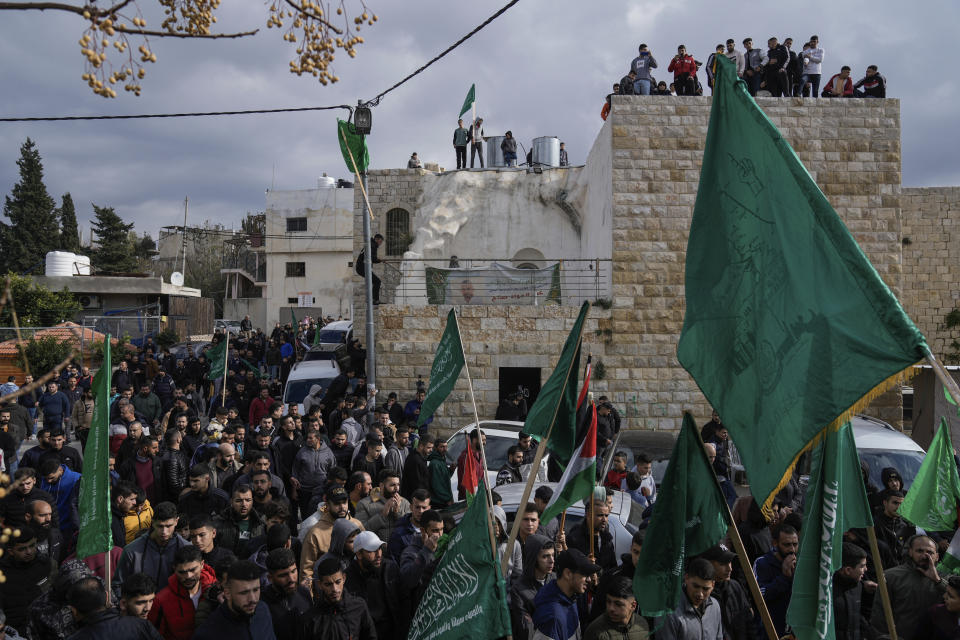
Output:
x=310 y=14
x=174 y=34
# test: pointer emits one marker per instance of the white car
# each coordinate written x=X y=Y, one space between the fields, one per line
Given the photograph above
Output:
x=879 y=445
x=339 y=332
x=501 y=435
x=303 y=377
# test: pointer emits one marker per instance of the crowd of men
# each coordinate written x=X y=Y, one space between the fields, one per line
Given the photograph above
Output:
x=232 y=514
x=779 y=70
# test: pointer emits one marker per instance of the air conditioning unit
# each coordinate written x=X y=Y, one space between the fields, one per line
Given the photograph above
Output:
x=90 y=302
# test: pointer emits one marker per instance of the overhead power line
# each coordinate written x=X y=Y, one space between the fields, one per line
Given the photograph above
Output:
x=370 y=103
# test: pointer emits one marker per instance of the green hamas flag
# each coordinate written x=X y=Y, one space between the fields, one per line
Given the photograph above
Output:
x=556 y=404
x=447 y=364
x=931 y=503
x=689 y=517
x=471 y=98
x=252 y=367
x=835 y=502
x=788 y=327
x=94 y=500
x=216 y=357
x=466 y=597
x=357 y=146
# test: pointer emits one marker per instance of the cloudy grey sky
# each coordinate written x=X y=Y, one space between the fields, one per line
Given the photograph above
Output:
x=541 y=69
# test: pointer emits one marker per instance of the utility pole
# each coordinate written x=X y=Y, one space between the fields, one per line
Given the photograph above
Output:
x=368 y=282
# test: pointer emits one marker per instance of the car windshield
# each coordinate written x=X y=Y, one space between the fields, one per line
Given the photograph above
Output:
x=496 y=449
x=906 y=462
x=318 y=355
x=332 y=335
x=297 y=390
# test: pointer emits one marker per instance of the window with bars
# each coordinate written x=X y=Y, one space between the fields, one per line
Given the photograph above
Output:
x=296 y=269
x=296 y=224
x=398 y=231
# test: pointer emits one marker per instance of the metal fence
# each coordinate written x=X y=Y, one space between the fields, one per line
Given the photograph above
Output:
x=566 y=281
x=138 y=327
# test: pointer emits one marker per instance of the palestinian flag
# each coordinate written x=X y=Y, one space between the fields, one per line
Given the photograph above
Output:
x=580 y=475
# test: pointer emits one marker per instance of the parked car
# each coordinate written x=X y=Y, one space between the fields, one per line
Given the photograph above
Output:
x=658 y=445
x=501 y=435
x=879 y=445
x=182 y=349
x=302 y=378
x=622 y=521
x=223 y=326
x=339 y=332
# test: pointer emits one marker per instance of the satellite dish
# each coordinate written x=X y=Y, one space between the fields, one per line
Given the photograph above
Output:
x=176 y=279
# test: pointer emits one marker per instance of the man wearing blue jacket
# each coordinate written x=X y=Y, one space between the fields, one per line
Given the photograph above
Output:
x=64 y=485
x=555 y=607
x=774 y=572
x=55 y=406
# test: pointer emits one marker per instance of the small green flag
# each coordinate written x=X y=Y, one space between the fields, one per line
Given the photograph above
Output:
x=216 y=357
x=689 y=517
x=931 y=503
x=467 y=596
x=471 y=98
x=556 y=404
x=788 y=327
x=252 y=367
x=94 y=500
x=357 y=145
x=951 y=559
x=836 y=502
x=445 y=370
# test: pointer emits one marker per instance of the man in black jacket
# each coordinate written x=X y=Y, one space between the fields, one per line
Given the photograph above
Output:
x=287 y=598
x=23 y=491
x=361 y=265
x=847 y=595
x=27 y=577
x=416 y=473
x=50 y=547
x=376 y=579
x=173 y=467
x=239 y=522
x=88 y=600
x=202 y=498
x=579 y=536
x=336 y=613
x=735 y=607
x=775 y=71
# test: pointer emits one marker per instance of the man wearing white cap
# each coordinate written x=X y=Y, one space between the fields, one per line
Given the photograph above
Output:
x=376 y=578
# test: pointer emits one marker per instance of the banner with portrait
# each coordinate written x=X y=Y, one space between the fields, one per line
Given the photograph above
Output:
x=494 y=284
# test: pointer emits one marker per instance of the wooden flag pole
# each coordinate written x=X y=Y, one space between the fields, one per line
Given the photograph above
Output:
x=882 y=582
x=538 y=458
x=734 y=534
x=483 y=454
x=356 y=171
x=758 y=600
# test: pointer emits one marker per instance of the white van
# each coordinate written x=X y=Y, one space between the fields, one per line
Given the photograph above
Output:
x=303 y=377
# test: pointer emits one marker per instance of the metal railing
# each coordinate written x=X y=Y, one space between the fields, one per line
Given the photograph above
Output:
x=253 y=263
x=483 y=281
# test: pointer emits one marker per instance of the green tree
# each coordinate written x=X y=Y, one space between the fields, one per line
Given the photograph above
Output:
x=117 y=350
x=33 y=229
x=36 y=305
x=69 y=229
x=114 y=252
x=42 y=355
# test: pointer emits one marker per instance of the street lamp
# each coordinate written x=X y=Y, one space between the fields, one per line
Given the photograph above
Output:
x=362 y=120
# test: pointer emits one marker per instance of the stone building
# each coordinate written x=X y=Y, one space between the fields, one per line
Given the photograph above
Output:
x=633 y=201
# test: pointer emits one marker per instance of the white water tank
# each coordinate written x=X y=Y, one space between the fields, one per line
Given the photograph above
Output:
x=59 y=263
x=546 y=151
x=326 y=182
x=494 y=153
x=81 y=265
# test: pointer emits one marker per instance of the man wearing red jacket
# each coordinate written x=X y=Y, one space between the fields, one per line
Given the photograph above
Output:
x=839 y=85
x=684 y=69
x=175 y=606
x=260 y=407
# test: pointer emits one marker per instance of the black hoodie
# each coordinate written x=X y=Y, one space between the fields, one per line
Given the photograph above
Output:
x=347 y=618
x=524 y=590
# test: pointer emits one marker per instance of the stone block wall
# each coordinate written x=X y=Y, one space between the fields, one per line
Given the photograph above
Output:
x=931 y=261
x=851 y=148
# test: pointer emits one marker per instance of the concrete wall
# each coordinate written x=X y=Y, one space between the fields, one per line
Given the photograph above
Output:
x=931 y=262
x=325 y=247
x=852 y=149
